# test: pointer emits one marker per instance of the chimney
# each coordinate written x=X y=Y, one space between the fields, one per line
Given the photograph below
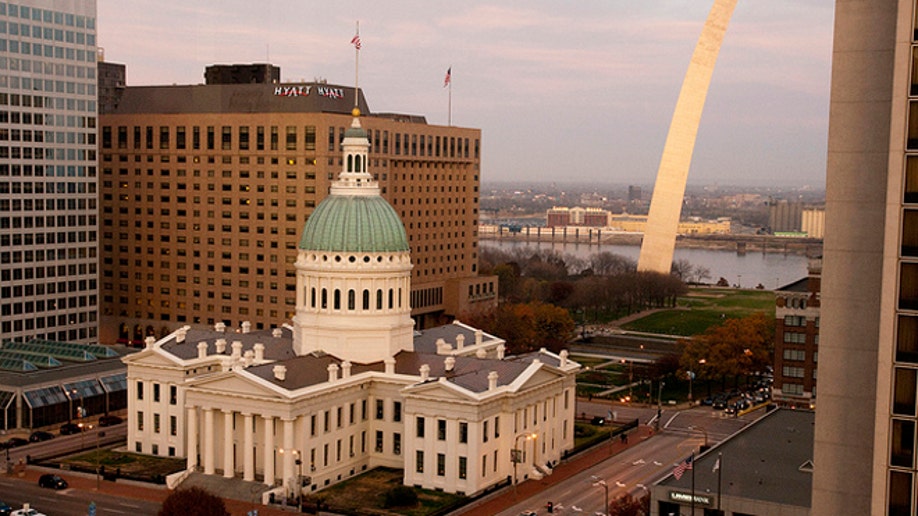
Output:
x=220 y=327
x=460 y=341
x=563 y=356
x=180 y=334
x=148 y=342
x=345 y=369
x=481 y=353
x=492 y=380
x=221 y=346
x=332 y=372
x=248 y=357
x=449 y=364
x=280 y=372
x=500 y=351
x=246 y=326
x=277 y=333
x=237 y=348
x=259 y=352
x=390 y=365
x=478 y=334
x=442 y=347
x=202 y=349
x=425 y=372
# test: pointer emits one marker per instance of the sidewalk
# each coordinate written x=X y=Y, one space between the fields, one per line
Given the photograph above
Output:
x=506 y=498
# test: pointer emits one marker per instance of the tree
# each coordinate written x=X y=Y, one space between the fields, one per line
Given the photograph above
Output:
x=627 y=505
x=193 y=501
x=733 y=348
x=526 y=326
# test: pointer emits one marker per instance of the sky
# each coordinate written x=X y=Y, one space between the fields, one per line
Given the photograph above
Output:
x=562 y=91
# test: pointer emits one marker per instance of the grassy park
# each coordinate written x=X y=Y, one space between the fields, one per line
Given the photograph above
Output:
x=702 y=308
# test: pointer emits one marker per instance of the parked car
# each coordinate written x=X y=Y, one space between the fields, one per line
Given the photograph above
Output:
x=109 y=420
x=39 y=435
x=52 y=481
x=14 y=442
x=5 y=509
x=70 y=428
x=27 y=512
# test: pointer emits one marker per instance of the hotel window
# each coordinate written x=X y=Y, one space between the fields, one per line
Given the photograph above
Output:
x=244 y=137
x=291 y=138
x=180 y=137
x=904 y=395
x=902 y=453
x=419 y=461
x=260 y=138
x=441 y=429
x=419 y=424
x=310 y=137
x=226 y=137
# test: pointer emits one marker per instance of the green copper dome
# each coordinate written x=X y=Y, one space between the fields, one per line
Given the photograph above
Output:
x=358 y=223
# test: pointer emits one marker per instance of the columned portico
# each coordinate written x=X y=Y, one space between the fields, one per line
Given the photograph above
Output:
x=248 y=452
x=269 y=450
x=192 y=447
x=208 y=444
x=288 y=449
x=228 y=463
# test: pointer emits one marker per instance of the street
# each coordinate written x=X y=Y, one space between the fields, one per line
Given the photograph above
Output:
x=70 y=502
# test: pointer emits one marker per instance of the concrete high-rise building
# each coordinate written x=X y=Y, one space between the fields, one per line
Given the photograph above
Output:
x=205 y=190
x=866 y=418
x=48 y=211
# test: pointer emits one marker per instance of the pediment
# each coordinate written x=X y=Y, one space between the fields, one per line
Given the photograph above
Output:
x=151 y=358
x=540 y=377
x=235 y=383
x=443 y=391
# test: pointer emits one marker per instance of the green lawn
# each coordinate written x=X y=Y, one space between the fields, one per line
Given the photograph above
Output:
x=703 y=308
x=365 y=493
x=129 y=464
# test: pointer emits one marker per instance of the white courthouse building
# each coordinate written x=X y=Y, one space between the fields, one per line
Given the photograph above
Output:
x=348 y=384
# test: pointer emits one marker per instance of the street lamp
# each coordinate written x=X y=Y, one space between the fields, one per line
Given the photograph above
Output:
x=299 y=474
x=516 y=455
x=660 y=404
x=99 y=437
x=599 y=482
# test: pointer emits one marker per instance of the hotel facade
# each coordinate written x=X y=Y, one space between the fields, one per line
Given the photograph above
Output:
x=205 y=189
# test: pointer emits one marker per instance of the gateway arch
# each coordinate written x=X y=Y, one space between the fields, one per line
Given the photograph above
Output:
x=668 y=191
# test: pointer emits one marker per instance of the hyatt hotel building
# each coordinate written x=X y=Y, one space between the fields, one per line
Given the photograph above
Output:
x=205 y=189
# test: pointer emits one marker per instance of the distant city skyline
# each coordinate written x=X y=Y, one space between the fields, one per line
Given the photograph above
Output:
x=561 y=93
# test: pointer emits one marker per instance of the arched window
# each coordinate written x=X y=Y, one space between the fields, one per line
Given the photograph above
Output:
x=324 y=298
x=350 y=163
x=351 y=299
x=366 y=299
x=337 y=299
x=358 y=166
x=379 y=299
x=391 y=300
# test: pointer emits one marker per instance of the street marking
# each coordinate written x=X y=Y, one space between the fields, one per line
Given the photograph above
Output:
x=132 y=506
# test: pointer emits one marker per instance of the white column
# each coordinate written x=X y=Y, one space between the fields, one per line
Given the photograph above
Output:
x=191 y=429
x=248 y=453
x=228 y=463
x=269 y=450
x=208 y=443
x=288 y=450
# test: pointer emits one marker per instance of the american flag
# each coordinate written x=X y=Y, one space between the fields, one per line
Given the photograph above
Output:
x=356 y=41
x=683 y=466
x=449 y=76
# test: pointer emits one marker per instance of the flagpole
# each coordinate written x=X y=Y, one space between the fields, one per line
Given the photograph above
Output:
x=449 y=116
x=693 y=484
x=357 y=65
